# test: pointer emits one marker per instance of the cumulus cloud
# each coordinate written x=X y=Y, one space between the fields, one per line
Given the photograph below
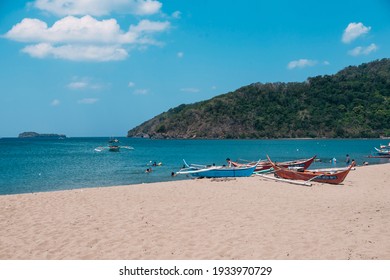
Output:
x=363 y=50
x=86 y=29
x=353 y=31
x=301 y=63
x=98 y=7
x=180 y=54
x=77 y=52
x=83 y=39
x=131 y=84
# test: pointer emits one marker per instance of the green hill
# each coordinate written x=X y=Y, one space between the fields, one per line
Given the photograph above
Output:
x=353 y=103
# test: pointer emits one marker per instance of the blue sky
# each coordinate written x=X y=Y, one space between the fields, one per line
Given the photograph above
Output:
x=100 y=68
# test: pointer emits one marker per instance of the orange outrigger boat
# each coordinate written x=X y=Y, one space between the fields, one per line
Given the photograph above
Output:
x=321 y=176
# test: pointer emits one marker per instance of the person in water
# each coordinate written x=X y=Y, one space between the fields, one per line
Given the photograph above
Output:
x=347 y=160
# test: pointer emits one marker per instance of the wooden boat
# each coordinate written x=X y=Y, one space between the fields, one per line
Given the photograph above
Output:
x=265 y=165
x=217 y=171
x=113 y=146
x=379 y=156
x=323 y=176
x=383 y=151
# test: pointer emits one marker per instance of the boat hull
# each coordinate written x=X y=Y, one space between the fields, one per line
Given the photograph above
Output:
x=225 y=172
x=383 y=152
x=217 y=171
x=113 y=148
x=321 y=177
x=266 y=165
x=329 y=177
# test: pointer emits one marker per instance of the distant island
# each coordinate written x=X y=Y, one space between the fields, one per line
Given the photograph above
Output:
x=31 y=134
x=353 y=103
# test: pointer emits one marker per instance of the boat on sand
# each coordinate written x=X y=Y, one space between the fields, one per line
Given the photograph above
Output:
x=265 y=165
x=328 y=176
x=213 y=171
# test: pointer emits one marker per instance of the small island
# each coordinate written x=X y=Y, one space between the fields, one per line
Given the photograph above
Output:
x=31 y=134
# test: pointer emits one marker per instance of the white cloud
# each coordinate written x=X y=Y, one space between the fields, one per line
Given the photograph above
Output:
x=176 y=14
x=80 y=83
x=301 y=63
x=180 y=54
x=88 y=101
x=77 y=52
x=86 y=29
x=353 y=31
x=83 y=39
x=192 y=90
x=147 y=26
x=98 y=7
x=363 y=50
x=131 y=84
x=326 y=62
x=55 y=102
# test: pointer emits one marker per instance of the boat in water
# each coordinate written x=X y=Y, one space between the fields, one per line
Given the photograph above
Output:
x=383 y=150
x=113 y=146
x=329 y=176
x=213 y=171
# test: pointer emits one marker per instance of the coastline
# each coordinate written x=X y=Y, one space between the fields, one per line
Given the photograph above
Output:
x=202 y=219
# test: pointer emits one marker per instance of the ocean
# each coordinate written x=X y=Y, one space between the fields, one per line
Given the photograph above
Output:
x=39 y=165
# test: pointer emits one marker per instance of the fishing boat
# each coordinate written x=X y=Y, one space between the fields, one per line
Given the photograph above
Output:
x=266 y=166
x=213 y=171
x=328 y=176
x=113 y=146
x=383 y=150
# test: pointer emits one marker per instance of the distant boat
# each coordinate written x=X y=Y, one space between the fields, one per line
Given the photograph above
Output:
x=265 y=165
x=113 y=140
x=328 y=176
x=212 y=171
x=113 y=146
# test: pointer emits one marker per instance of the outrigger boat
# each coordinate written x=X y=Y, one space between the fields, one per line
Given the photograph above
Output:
x=266 y=166
x=212 y=171
x=383 y=151
x=113 y=146
x=328 y=176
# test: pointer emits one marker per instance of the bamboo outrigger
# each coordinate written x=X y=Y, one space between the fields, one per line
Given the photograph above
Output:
x=322 y=176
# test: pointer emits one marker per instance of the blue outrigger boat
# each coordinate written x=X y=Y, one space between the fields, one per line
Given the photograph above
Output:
x=212 y=171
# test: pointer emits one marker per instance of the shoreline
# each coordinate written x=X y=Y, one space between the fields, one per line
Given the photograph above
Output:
x=151 y=183
x=238 y=218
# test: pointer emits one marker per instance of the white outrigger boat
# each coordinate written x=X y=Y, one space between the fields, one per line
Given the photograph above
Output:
x=213 y=171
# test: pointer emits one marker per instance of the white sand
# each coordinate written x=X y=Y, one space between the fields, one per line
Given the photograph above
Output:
x=243 y=218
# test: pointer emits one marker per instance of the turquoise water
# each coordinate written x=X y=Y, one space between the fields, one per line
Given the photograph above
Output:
x=36 y=165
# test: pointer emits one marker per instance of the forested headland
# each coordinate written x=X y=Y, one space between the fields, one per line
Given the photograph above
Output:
x=353 y=103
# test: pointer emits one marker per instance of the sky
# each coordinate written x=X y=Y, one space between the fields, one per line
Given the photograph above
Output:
x=101 y=67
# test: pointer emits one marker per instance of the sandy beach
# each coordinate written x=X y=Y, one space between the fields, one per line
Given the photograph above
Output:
x=242 y=218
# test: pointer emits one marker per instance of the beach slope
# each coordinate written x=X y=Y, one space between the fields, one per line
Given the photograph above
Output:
x=243 y=218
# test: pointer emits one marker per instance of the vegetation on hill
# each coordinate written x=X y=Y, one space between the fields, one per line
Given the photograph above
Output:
x=353 y=103
x=31 y=134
